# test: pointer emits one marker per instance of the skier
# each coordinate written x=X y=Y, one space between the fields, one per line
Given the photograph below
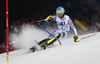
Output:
x=64 y=23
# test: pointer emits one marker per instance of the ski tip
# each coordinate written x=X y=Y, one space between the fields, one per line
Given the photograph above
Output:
x=60 y=43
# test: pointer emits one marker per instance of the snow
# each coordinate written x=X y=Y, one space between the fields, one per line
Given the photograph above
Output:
x=87 y=51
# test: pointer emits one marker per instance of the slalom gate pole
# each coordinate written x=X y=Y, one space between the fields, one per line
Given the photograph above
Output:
x=49 y=32
x=87 y=36
x=27 y=23
x=7 y=31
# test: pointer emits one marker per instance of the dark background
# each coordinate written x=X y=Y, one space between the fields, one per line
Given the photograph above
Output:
x=38 y=9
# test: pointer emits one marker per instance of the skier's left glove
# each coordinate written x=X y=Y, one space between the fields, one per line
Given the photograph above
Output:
x=49 y=18
x=76 y=39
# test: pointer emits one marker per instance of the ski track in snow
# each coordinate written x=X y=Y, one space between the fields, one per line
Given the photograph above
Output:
x=87 y=51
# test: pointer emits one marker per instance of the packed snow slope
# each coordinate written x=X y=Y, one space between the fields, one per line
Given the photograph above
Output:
x=87 y=51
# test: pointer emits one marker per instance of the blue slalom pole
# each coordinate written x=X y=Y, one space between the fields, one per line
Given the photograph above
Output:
x=49 y=32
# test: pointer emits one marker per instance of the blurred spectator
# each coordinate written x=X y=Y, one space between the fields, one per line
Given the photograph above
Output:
x=2 y=48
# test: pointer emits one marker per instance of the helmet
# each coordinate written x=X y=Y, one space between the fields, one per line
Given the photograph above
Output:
x=60 y=11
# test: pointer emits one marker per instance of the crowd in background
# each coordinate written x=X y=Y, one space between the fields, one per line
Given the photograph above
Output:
x=87 y=10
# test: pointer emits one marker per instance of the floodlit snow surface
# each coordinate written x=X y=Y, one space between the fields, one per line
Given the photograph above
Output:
x=87 y=51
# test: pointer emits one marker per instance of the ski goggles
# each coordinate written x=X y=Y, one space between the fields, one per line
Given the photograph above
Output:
x=59 y=12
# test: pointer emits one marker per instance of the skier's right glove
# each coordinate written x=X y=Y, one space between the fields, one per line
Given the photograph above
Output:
x=49 y=18
x=76 y=39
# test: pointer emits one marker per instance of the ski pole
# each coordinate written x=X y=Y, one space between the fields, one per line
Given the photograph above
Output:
x=49 y=32
x=87 y=36
x=27 y=23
